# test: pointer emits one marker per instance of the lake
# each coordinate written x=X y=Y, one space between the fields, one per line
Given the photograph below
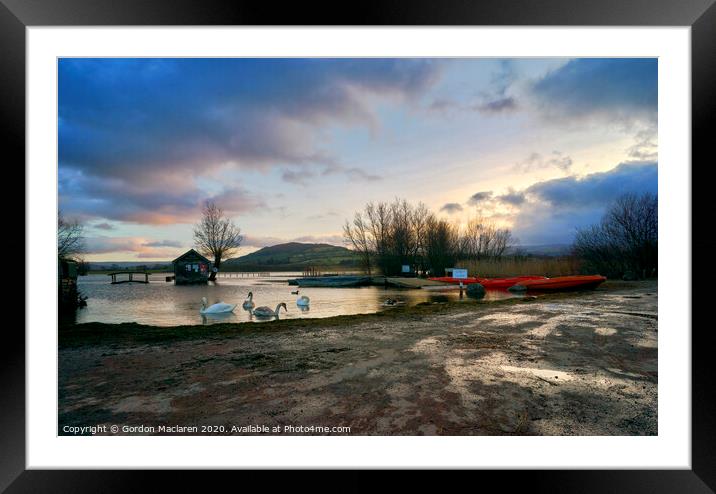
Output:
x=162 y=303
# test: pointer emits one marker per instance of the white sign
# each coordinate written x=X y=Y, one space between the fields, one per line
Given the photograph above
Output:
x=406 y=268
x=459 y=273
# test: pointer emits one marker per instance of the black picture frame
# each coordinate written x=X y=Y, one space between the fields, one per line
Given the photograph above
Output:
x=700 y=15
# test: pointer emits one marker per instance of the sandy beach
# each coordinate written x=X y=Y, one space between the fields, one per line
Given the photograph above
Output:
x=567 y=364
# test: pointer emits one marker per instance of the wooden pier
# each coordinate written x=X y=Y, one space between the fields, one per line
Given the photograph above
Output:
x=130 y=278
x=311 y=272
x=237 y=274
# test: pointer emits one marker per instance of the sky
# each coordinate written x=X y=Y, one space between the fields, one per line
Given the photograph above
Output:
x=291 y=148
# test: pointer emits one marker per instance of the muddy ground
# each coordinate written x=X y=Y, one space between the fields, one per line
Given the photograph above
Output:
x=571 y=364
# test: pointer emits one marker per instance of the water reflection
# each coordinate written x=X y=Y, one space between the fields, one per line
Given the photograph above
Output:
x=218 y=317
x=164 y=304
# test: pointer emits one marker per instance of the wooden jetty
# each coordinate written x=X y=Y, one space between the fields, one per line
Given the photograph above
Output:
x=311 y=272
x=239 y=274
x=130 y=278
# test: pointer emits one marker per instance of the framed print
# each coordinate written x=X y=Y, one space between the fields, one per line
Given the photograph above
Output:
x=422 y=238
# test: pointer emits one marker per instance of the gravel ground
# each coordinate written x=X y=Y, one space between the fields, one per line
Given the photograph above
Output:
x=573 y=364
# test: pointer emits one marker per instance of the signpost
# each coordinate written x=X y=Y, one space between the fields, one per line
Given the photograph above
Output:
x=459 y=273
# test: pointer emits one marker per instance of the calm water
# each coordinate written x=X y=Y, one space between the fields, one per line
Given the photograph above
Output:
x=163 y=304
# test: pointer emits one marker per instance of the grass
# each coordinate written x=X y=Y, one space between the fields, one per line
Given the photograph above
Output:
x=548 y=266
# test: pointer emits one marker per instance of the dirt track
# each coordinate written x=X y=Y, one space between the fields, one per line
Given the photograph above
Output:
x=583 y=364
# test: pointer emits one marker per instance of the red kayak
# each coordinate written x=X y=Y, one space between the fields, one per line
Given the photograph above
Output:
x=561 y=283
x=488 y=283
x=504 y=283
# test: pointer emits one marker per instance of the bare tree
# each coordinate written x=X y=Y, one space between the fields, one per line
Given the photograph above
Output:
x=481 y=239
x=357 y=235
x=379 y=220
x=216 y=236
x=625 y=241
x=70 y=239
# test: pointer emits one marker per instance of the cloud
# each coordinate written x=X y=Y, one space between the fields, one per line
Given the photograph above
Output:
x=300 y=177
x=553 y=209
x=162 y=243
x=140 y=132
x=479 y=197
x=443 y=105
x=260 y=241
x=451 y=208
x=597 y=188
x=536 y=161
x=645 y=148
x=623 y=89
x=512 y=197
x=496 y=98
x=498 y=105
x=140 y=247
x=333 y=239
x=103 y=226
x=353 y=173
x=173 y=201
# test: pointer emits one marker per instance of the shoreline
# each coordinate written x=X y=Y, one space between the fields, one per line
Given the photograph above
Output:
x=441 y=368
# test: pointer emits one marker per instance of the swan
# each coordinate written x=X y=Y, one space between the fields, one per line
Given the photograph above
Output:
x=303 y=301
x=267 y=312
x=219 y=308
x=391 y=302
x=249 y=302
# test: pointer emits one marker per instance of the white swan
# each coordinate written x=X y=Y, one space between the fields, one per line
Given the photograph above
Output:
x=267 y=312
x=219 y=308
x=249 y=302
x=303 y=301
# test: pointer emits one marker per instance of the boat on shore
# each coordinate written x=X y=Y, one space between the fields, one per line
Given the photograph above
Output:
x=488 y=283
x=560 y=283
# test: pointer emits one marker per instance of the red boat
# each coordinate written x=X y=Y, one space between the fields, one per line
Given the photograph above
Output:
x=504 y=283
x=488 y=283
x=561 y=283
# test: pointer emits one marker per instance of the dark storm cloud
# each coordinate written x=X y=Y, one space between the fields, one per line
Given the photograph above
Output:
x=556 y=208
x=597 y=188
x=172 y=201
x=140 y=123
x=616 y=88
x=451 y=207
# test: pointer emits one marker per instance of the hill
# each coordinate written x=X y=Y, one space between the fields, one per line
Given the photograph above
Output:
x=295 y=256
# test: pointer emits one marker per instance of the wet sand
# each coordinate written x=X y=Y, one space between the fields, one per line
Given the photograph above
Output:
x=567 y=364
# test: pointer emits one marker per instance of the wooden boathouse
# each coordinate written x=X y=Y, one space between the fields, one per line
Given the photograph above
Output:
x=191 y=268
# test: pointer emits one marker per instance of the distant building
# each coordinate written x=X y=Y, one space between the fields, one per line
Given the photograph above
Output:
x=190 y=268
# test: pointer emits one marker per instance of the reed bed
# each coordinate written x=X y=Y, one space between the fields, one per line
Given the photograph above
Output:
x=506 y=267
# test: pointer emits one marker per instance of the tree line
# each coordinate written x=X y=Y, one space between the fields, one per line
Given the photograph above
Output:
x=624 y=243
x=388 y=236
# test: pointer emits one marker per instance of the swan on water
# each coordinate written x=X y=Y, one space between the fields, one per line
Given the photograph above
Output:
x=219 y=308
x=303 y=301
x=249 y=302
x=267 y=312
